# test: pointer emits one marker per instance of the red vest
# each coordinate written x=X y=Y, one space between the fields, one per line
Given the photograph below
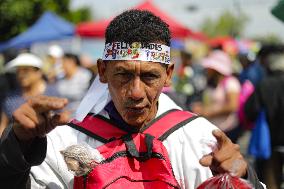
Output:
x=131 y=160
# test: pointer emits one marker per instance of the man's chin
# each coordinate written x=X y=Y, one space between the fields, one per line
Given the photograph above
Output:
x=135 y=121
x=136 y=118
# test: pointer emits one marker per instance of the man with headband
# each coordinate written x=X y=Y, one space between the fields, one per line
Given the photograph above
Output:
x=132 y=72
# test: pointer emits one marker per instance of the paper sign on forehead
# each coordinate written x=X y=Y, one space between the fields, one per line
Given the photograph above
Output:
x=137 y=51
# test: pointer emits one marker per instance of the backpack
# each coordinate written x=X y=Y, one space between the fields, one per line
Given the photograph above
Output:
x=247 y=89
x=131 y=160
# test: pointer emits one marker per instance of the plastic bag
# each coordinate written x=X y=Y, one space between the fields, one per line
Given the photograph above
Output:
x=225 y=181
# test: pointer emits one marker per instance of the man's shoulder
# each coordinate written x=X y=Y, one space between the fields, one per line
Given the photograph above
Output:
x=201 y=124
x=196 y=128
x=199 y=127
x=194 y=138
x=197 y=131
x=166 y=104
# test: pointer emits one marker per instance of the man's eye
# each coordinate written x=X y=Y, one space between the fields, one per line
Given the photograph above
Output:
x=150 y=76
x=124 y=75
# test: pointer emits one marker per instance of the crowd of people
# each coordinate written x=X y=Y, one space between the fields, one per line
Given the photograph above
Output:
x=27 y=75
x=131 y=93
x=222 y=100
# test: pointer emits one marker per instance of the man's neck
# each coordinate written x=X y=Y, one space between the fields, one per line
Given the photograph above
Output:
x=115 y=116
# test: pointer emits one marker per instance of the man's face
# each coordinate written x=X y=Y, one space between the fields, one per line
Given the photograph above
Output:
x=27 y=75
x=135 y=87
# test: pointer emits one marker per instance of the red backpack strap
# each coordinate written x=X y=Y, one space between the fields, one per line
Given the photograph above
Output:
x=98 y=127
x=168 y=122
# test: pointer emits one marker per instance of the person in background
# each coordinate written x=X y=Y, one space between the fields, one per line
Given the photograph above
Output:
x=269 y=96
x=53 y=67
x=75 y=82
x=30 y=81
x=88 y=63
x=251 y=68
x=221 y=97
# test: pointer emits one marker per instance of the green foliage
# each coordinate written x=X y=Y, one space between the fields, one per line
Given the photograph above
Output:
x=226 y=24
x=17 y=15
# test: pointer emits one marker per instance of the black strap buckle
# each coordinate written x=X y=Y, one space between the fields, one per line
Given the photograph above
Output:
x=132 y=150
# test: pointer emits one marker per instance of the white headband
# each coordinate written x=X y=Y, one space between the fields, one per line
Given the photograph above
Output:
x=153 y=52
x=98 y=95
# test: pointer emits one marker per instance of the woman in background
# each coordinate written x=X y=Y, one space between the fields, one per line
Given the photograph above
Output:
x=222 y=94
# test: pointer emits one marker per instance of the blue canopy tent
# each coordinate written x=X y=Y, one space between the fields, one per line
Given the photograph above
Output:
x=48 y=27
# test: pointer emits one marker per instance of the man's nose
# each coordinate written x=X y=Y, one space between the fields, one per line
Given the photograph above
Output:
x=137 y=89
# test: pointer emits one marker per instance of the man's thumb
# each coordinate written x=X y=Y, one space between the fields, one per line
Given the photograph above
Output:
x=206 y=160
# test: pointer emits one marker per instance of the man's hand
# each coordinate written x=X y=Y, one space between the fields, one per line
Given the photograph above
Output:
x=226 y=158
x=36 y=118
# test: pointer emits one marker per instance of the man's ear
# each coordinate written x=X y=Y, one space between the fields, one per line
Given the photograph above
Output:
x=102 y=70
x=170 y=71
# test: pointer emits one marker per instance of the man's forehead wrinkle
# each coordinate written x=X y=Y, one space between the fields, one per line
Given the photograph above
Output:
x=124 y=66
x=120 y=68
x=128 y=67
x=131 y=66
x=138 y=67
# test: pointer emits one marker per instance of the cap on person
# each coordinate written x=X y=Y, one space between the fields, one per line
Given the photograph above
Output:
x=55 y=51
x=220 y=61
x=24 y=59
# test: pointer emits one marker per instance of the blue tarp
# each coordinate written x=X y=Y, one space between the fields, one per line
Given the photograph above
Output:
x=48 y=27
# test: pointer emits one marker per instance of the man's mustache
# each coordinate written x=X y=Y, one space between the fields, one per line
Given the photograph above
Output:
x=132 y=103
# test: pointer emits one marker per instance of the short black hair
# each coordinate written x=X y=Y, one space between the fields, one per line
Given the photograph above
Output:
x=73 y=57
x=138 y=26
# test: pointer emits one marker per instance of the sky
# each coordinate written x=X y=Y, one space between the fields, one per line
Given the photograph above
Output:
x=261 y=22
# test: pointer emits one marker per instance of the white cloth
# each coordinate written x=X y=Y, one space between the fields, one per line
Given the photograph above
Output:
x=185 y=147
x=96 y=98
